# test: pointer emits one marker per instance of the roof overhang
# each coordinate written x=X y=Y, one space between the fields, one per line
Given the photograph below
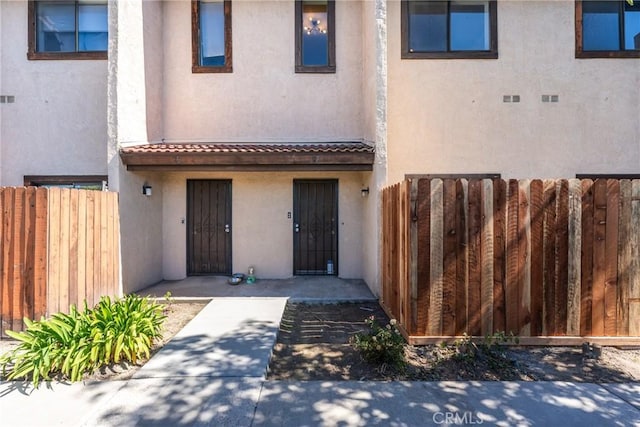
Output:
x=328 y=156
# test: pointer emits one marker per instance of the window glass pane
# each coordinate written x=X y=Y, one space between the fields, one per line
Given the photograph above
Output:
x=56 y=27
x=632 y=26
x=427 y=26
x=469 y=25
x=212 y=33
x=315 y=40
x=600 y=25
x=92 y=27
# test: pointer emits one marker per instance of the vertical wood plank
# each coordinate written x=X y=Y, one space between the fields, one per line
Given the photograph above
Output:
x=90 y=263
x=117 y=254
x=599 y=256
x=487 y=252
x=7 y=254
x=462 y=276
x=524 y=259
x=575 y=244
x=29 y=253
x=81 y=264
x=404 y=252
x=536 y=190
x=73 y=253
x=449 y=258
x=474 y=292
x=611 y=257
x=413 y=239
x=436 y=270
x=634 y=279
x=624 y=258
x=18 y=248
x=40 y=254
x=549 y=249
x=97 y=258
x=499 y=245
x=586 y=261
x=54 y=227
x=104 y=249
x=512 y=297
x=3 y=282
x=562 y=254
x=65 y=241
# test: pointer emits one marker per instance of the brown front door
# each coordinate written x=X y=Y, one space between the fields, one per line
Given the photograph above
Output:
x=208 y=227
x=315 y=227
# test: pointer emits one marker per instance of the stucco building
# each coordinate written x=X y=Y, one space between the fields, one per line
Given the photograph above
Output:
x=259 y=133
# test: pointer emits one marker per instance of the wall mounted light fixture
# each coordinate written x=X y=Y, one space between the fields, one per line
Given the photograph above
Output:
x=364 y=191
x=146 y=189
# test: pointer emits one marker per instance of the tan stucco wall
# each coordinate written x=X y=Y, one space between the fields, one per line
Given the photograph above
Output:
x=57 y=125
x=263 y=99
x=447 y=116
x=262 y=234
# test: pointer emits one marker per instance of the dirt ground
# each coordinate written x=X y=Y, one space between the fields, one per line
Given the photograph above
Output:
x=178 y=315
x=313 y=344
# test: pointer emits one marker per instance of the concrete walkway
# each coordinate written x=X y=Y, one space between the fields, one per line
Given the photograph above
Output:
x=212 y=374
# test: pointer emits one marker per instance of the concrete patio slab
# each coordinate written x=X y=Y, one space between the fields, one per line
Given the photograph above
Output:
x=230 y=337
x=326 y=289
x=630 y=393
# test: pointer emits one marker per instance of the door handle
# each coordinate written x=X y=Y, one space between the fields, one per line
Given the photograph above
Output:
x=297 y=228
x=227 y=228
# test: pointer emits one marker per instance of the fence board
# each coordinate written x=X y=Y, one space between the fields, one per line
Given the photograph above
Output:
x=462 y=278
x=599 y=255
x=524 y=259
x=486 y=252
x=512 y=296
x=537 y=255
x=499 y=246
x=18 y=257
x=624 y=257
x=424 y=254
x=634 y=273
x=562 y=255
x=435 y=299
x=549 y=276
x=573 y=291
x=449 y=257
x=586 y=262
x=611 y=257
x=474 y=257
x=40 y=254
x=7 y=255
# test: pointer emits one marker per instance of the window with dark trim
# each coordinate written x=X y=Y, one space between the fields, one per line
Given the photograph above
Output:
x=67 y=30
x=315 y=36
x=211 y=36
x=466 y=29
x=85 y=182
x=607 y=29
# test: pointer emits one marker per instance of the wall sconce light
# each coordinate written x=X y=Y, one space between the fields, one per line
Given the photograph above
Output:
x=364 y=191
x=146 y=190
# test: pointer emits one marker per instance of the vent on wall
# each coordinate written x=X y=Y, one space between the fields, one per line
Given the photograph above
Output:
x=511 y=98
x=550 y=98
x=7 y=99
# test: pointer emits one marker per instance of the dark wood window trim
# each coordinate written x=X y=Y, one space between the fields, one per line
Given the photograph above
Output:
x=195 y=41
x=492 y=53
x=582 y=54
x=595 y=176
x=32 y=54
x=331 y=36
x=40 y=180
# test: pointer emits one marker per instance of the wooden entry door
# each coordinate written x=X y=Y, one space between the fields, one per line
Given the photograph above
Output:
x=208 y=227
x=315 y=227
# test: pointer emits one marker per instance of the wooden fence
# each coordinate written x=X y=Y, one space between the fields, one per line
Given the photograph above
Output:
x=539 y=258
x=58 y=247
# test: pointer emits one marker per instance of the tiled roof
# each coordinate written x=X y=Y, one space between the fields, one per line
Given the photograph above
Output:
x=328 y=147
x=335 y=156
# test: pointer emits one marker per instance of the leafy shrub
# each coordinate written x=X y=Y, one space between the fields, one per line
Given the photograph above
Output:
x=79 y=342
x=381 y=345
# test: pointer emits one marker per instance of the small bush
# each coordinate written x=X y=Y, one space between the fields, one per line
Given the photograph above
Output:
x=381 y=345
x=79 y=342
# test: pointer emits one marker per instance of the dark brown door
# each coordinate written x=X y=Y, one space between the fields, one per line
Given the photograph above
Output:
x=208 y=227
x=315 y=227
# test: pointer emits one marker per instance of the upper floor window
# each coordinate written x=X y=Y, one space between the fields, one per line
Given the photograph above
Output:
x=449 y=29
x=211 y=36
x=68 y=30
x=607 y=29
x=315 y=36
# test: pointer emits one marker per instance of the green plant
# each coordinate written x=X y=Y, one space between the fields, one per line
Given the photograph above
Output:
x=381 y=345
x=79 y=342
